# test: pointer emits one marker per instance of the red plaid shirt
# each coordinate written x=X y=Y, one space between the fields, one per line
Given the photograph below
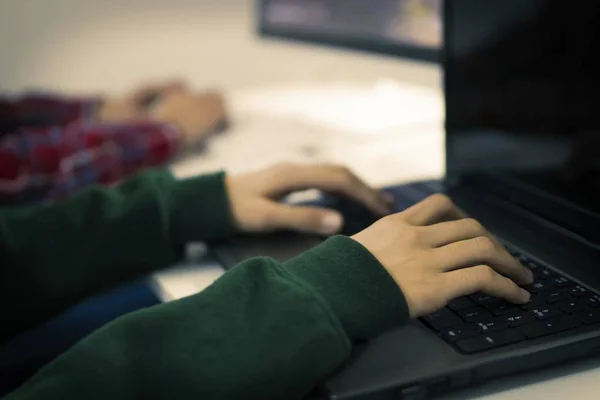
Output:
x=50 y=148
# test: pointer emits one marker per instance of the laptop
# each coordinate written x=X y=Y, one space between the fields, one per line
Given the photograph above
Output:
x=523 y=156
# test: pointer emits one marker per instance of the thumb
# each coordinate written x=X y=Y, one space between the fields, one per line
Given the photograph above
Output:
x=306 y=219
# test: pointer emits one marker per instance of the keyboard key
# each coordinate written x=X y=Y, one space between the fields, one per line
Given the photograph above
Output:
x=557 y=295
x=578 y=291
x=481 y=322
x=518 y=318
x=461 y=332
x=593 y=300
x=538 y=287
x=501 y=308
x=489 y=341
x=462 y=303
x=492 y=325
x=545 y=312
x=536 y=300
x=573 y=305
x=561 y=281
x=589 y=317
x=532 y=265
x=549 y=327
x=441 y=319
x=545 y=273
x=483 y=299
x=476 y=314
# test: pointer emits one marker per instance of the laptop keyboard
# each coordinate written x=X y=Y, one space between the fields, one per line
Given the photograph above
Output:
x=480 y=322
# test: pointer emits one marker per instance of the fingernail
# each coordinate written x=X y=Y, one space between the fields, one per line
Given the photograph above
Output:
x=529 y=275
x=525 y=295
x=331 y=223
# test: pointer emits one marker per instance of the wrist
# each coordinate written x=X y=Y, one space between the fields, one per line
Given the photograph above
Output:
x=354 y=284
x=201 y=210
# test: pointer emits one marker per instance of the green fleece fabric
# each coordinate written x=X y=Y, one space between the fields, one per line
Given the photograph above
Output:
x=264 y=330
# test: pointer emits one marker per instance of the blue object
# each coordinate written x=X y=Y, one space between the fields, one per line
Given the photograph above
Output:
x=25 y=355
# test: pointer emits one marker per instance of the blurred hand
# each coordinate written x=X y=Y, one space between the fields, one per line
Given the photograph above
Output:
x=435 y=255
x=195 y=114
x=254 y=198
x=134 y=106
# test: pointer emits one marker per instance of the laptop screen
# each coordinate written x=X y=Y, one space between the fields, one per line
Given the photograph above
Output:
x=409 y=28
x=523 y=105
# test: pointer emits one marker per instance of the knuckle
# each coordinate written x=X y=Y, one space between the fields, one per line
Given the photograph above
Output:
x=412 y=235
x=338 y=174
x=440 y=202
x=507 y=287
x=395 y=225
x=397 y=220
x=473 y=225
x=509 y=283
x=485 y=246
x=485 y=275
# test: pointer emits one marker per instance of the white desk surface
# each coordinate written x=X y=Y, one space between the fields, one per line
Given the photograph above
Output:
x=276 y=121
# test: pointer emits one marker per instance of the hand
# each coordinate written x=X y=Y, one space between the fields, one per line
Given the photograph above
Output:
x=435 y=255
x=194 y=114
x=254 y=198
x=134 y=106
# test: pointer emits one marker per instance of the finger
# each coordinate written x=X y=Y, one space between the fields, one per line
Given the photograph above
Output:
x=358 y=190
x=340 y=180
x=214 y=103
x=484 y=279
x=482 y=250
x=432 y=210
x=148 y=93
x=445 y=233
x=303 y=219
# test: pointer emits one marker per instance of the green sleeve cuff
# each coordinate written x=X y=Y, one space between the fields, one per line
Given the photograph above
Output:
x=200 y=210
x=354 y=284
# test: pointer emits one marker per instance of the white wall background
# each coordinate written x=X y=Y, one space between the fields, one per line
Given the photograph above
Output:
x=99 y=45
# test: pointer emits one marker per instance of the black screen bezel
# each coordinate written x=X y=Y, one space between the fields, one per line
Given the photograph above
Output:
x=519 y=196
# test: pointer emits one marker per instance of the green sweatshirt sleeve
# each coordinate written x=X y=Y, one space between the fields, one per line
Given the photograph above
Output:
x=51 y=256
x=263 y=331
